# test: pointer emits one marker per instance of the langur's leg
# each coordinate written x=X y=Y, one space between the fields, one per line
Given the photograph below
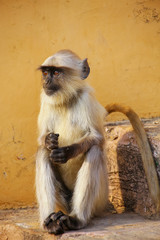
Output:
x=90 y=194
x=45 y=189
x=50 y=188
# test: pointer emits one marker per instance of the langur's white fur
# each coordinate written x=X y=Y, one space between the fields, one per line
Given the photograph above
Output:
x=90 y=194
x=44 y=185
x=74 y=113
x=68 y=60
x=85 y=174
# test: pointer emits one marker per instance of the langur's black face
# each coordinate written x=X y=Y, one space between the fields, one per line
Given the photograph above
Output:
x=56 y=78
x=51 y=77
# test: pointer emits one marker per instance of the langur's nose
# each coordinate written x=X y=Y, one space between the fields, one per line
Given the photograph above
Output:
x=48 y=81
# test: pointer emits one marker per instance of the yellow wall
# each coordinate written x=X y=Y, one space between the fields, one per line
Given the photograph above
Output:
x=122 y=42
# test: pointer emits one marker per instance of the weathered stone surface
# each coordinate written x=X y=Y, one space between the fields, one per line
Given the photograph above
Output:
x=127 y=181
x=22 y=224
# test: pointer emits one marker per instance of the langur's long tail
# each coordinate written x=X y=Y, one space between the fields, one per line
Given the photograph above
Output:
x=145 y=150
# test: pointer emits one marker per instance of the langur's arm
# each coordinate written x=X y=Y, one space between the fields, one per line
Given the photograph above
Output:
x=63 y=154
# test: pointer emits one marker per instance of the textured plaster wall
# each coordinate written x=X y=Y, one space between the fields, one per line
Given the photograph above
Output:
x=122 y=42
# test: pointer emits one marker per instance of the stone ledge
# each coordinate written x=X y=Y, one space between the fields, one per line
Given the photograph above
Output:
x=128 y=187
x=22 y=224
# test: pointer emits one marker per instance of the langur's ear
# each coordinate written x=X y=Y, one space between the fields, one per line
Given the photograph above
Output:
x=85 y=69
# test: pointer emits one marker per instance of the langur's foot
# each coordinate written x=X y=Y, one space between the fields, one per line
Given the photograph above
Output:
x=52 y=223
x=58 y=223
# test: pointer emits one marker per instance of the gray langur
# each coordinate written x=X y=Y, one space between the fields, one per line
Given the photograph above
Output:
x=71 y=173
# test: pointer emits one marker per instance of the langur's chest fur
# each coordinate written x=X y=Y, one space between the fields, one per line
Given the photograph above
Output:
x=65 y=123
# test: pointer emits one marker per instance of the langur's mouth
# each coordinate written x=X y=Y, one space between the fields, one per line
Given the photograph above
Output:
x=50 y=91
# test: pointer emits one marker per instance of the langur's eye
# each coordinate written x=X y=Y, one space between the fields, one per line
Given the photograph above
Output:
x=45 y=73
x=56 y=73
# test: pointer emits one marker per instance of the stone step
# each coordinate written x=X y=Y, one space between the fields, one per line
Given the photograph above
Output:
x=22 y=224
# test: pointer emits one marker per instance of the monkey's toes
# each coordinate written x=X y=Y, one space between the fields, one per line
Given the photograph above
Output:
x=53 y=223
x=54 y=228
x=53 y=217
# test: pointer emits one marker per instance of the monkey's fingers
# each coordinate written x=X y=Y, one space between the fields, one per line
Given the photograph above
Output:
x=53 y=135
x=57 y=153
x=51 y=145
x=58 y=156
x=51 y=141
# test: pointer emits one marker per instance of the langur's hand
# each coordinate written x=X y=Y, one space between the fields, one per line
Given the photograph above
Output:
x=51 y=141
x=60 y=155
